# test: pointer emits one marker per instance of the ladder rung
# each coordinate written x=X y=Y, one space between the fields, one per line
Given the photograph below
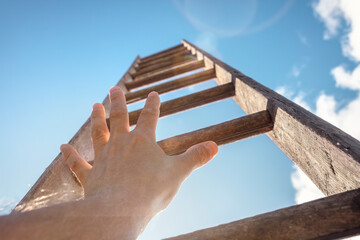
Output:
x=132 y=97
x=165 y=55
x=165 y=74
x=179 y=46
x=333 y=217
x=188 y=101
x=160 y=66
x=171 y=57
x=223 y=133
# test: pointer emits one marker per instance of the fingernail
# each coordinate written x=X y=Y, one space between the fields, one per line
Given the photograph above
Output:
x=115 y=89
x=152 y=94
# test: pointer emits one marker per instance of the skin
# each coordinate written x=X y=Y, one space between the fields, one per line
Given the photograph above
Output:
x=131 y=180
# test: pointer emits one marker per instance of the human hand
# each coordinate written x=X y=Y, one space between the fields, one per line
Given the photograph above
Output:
x=129 y=167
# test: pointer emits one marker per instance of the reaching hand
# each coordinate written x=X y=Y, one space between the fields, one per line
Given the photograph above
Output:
x=132 y=179
x=129 y=166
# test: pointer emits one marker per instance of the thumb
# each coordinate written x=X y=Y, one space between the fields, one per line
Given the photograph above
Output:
x=76 y=163
x=198 y=155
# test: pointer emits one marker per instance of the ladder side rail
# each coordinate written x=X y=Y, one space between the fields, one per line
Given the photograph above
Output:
x=328 y=218
x=329 y=156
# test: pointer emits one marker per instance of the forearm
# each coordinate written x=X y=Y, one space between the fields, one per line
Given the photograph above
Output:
x=85 y=219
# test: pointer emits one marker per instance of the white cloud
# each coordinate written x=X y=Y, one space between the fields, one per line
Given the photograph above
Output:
x=347 y=79
x=351 y=41
x=328 y=11
x=305 y=188
x=296 y=98
x=347 y=118
x=332 y=13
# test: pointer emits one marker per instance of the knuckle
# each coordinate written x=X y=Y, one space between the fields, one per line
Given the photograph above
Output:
x=150 y=112
x=117 y=113
x=96 y=117
x=138 y=137
x=98 y=133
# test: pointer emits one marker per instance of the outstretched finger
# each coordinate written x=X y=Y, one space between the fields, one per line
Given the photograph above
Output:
x=197 y=156
x=76 y=163
x=149 y=116
x=119 y=117
x=99 y=131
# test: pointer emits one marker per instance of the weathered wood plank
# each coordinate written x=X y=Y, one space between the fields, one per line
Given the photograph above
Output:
x=189 y=101
x=176 y=47
x=171 y=72
x=223 y=133
x=159 y=66
x=57 y=184
x=176 y=84
x=329 y=156
x=171 y=53
x=332 y=217
x=171 y=57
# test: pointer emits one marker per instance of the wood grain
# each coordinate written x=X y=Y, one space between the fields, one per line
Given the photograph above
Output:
x=167 y=64
x=178 y=51
x=223 y=133
x=171 y=49
x=329 y=156
x=328 y=218
x=171 y=72
x=176 y=84
x=187 y=102
x=170 y=57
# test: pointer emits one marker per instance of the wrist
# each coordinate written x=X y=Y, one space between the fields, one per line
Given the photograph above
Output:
x=117 y=209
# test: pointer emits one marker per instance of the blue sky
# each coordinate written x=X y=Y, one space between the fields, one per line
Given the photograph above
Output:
x=57 y=58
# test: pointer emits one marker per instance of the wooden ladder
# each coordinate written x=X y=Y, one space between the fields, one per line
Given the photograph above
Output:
x=330 y=157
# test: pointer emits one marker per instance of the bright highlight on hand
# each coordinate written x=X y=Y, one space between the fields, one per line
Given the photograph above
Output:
x=129 y=166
